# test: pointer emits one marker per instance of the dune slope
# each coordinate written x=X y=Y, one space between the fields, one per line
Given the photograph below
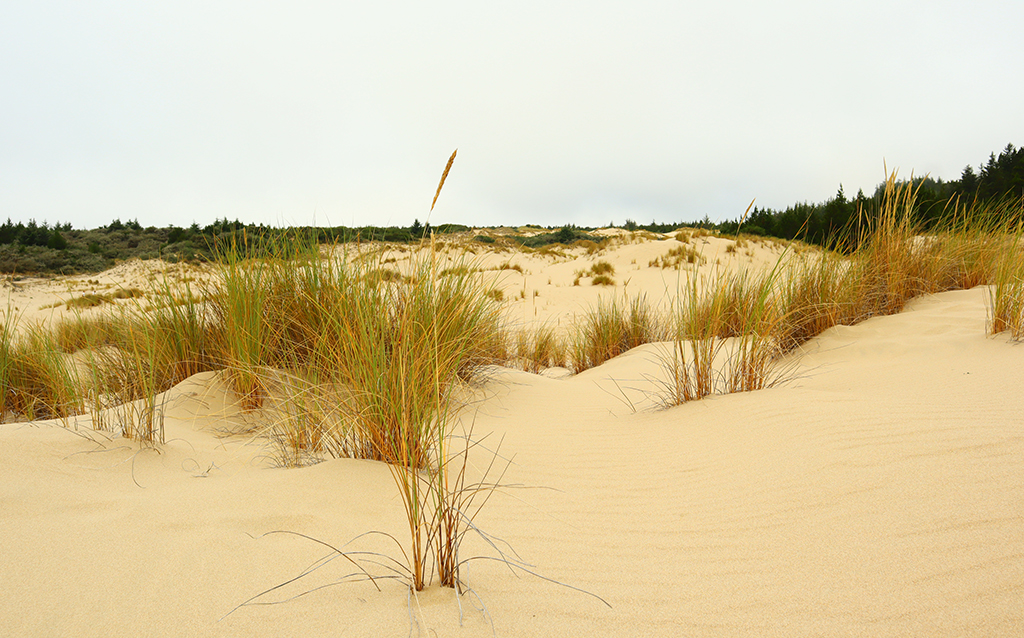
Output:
x=877 y=493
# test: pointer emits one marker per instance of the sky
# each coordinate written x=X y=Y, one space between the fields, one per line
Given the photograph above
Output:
x=345 y=113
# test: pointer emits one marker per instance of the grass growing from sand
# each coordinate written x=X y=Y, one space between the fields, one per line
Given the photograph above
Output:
x=7 y=330
x=540 y=347
x=1006 y=296
x=347 y=357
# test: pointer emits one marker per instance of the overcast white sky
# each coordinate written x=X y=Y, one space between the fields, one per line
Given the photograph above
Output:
x=344 y=113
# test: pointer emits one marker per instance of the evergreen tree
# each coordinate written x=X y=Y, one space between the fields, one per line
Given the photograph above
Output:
x=57 y=241
x=566 y=235
x=8 y=233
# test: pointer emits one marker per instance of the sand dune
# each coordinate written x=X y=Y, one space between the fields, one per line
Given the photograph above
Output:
x=877 y=493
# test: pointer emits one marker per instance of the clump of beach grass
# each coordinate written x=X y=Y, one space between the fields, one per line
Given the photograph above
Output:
x=690 y=363
x=238 y=306
x=93 y=300
x=131 y=377
x=42 y=380
x=816 y=294
x=378 y=370
x=436 y=333
x=1006 y=296
x=723 y=336
x=540 y=347
x=612 y=328
x=676 y=257
x=890 y=271
x=383 y=275
x=7 y=331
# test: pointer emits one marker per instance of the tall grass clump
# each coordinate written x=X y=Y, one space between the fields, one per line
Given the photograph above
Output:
x=541 y=347
x=724 y=336
x=184 y=330
x=896 y=260
x=133 y=354
x=238 y=306
x=389 y=345
x=891 y=270
x=755 y=349
x=43 y=380
x=370 y=368
x=402 y=352
x=611 y=328
x=1006 y=296
x=131 y=379
x=7 y=331
x=815 y=294
x=695 y=346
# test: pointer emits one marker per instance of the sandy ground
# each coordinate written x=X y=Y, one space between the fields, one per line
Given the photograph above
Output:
x=877 y=493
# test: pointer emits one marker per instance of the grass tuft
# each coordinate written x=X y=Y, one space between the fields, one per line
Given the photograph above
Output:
x=1006 y=296
x=610 y=329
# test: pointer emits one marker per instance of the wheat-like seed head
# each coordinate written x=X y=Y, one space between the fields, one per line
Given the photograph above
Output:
x=444 y=176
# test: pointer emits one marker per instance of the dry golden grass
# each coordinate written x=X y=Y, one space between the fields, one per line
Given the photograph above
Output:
x=611 y=328
x=346 y=357
x=676 y=257
x=1006 y=297
x=272 y=315
x=444 y=176
x=539 y=348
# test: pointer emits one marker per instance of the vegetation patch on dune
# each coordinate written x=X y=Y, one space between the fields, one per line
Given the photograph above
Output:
x=343 y=356
x=676 y=257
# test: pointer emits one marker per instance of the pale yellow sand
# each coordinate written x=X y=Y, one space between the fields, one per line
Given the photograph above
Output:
x=879 y=493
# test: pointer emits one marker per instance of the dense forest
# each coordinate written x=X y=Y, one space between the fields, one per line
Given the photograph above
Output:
x=999 y=183
x=34 y=248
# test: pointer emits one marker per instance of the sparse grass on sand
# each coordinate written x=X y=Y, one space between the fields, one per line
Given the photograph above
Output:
x=678 y=256
x=280 y=323
x=729 y=332
x=348 y=358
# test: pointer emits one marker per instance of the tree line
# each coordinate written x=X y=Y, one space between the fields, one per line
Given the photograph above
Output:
x=836 y=222
x=41 y=248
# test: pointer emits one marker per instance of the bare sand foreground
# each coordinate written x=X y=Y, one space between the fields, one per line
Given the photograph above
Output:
x=880 y=492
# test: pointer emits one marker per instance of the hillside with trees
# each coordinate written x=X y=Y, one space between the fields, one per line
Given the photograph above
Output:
x=835 y=222
x=37 y=249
